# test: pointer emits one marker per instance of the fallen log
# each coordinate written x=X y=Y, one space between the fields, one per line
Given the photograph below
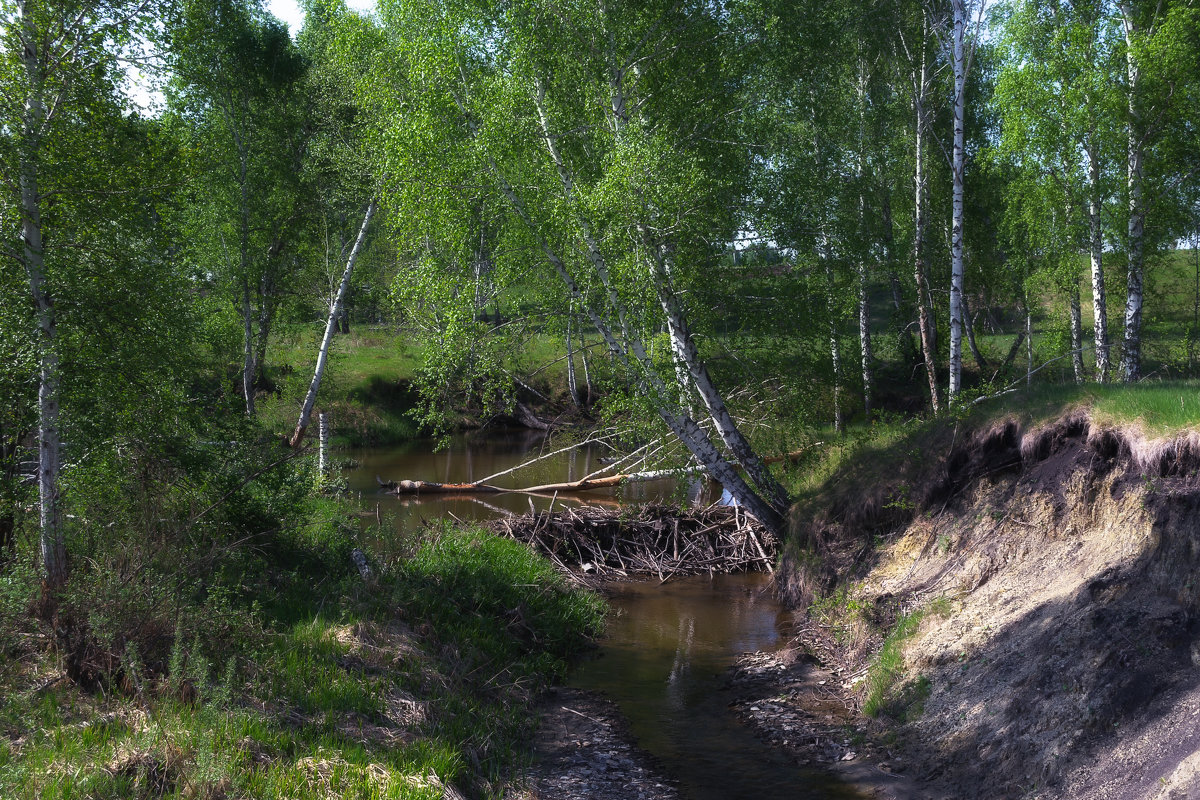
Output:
x=430 y=487
x=584 y=485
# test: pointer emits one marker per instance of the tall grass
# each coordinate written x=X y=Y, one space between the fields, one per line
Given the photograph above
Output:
x=356 y=691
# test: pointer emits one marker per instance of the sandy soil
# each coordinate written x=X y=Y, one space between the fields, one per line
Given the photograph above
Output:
x=1064 y=662
x=795 y=704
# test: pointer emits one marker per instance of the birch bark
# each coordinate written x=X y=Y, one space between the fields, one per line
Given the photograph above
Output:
x=1096 y=253
x=572 y=388
x=682 y=343
x=52 y=542
x=1131 y=362
x=682 y=426
x=335 y=311
x=956 y=235
x=835 y=350
x=1076 y=333
x=864 y=307
x=925 y=318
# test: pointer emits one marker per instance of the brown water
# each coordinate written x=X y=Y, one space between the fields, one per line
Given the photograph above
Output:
x=475 y=457
x=663 y=661
x=666 y=647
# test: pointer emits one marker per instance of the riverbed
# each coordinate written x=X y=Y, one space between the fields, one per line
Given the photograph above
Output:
x=664 y=659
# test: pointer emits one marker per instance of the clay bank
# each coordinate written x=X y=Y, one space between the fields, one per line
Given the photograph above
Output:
x=1017 y=617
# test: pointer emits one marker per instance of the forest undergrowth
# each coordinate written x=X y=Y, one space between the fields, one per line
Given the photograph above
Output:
x=261 y=663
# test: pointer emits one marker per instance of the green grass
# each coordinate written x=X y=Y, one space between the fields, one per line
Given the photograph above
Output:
x=887 y=671
x=355 y=691
x=366 y=390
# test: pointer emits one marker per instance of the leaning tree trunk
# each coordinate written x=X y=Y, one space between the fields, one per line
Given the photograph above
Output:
x=1096 y=251
x=52 y=541
x=683 y=347
x=956 y=236
x=633 y=358
x=335 y=309
x=1131 y=366
x=969 y=324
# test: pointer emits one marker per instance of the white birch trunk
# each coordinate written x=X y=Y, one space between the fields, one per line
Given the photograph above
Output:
x=52 y=543
x=587 y=375
x=956 y=236
x=925 y=318
x=1096 y=251
x=1028 y=344
x=864 y=307
x=572 y=388
x=864 y=338
x=638 y=365
x=1131 y=366
x=248 y=365
x=335 y=310
x=684 y=348
x=683 y=345
x=835 y=350
x=1076 y=332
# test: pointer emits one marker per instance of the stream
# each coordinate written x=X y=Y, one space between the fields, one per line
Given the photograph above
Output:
x=667 y=647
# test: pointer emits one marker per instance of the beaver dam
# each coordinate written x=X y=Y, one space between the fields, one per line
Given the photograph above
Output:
x=656 y=540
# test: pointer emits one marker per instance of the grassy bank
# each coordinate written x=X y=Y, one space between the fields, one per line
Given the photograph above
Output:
x=1001 y=582
x=857 y=493
x=328 y=686
x=870 y=454
x=367 y=388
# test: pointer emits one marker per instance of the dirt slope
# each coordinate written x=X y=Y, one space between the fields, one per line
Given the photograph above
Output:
x=1065 y=662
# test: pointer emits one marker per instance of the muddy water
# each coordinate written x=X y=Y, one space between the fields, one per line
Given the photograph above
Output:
x=473 y=458
x=666 y=647
x=662 y=661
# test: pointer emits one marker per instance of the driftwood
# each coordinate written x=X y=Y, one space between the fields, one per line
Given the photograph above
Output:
x=648 y=540
x=587 y=484
x=364 y=569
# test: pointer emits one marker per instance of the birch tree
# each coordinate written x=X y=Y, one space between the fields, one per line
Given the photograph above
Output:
x=335 y=313
x=920 y=73
x=957 y=166
x=1054 y=96
x=598 y=129
x=1160 y=53
x=237 y=97
x=61 y=161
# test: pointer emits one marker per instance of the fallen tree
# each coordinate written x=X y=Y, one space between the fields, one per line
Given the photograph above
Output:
x=588 y=483
x=582 y=485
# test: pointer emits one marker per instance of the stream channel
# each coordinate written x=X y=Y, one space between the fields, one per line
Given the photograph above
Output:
x=667 y=647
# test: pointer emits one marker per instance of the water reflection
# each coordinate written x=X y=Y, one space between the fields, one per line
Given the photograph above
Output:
x=471 y=458
x=662 y=660
x=666 y=647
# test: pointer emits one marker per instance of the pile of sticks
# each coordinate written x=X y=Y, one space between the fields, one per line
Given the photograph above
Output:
x=646 y=540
